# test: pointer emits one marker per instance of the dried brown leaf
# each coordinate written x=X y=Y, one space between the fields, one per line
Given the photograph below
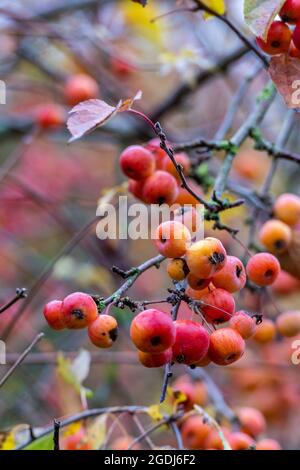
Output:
x=259 y=15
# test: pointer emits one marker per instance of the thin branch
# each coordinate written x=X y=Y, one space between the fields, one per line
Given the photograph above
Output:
x=20 y=359
x=21 y=293
x=56 y=435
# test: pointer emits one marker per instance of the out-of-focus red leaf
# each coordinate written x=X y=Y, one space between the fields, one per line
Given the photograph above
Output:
x=285 y=73
x=88 y=115
x=259 y=15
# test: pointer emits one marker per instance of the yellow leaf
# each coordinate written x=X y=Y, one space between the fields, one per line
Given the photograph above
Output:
x=72 y=429
x=154 y=411
x=140 y=19
x=216 y=5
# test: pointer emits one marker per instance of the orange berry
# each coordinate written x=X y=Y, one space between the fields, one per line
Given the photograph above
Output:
x=268 y=444
x=226 y=346
x=194 y=432
x=243 y=323
x=53 y=314
x=182 y=159
x=198 y=294
x=240 y=441
x=232 y=277
x=206 y=257
x=172 y=239
x=252 y=421
x=265 y=332
x=196 y=283
x=177 y=269
x=103 y=332
x=288 y=323
x=263 y=269
x=276 y=236
x=155 y=360
x=287 y=208
x=205 y=361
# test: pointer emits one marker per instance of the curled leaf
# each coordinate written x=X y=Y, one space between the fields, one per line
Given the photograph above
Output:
x=259 y=15
x=285 y=73
x=86 y=116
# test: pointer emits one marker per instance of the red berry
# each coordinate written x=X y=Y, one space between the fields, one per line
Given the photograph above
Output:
x=158 y=153
x=155 y=360
x=226 y=346
x=263 y=269
x=77 y=441
x=240 y=441
x=172 y=239
x=232 y=277
x=218 y=306
x=79 y=88
x=243 y=323
x=152 y=331
x=136 y=188
x=50 y=115
x=290 y=12
x=191 y=342
x=103 y=332
x=160 y=188
x=278 y=40
x=79 y=310
x=137 y=162
x=53 y=314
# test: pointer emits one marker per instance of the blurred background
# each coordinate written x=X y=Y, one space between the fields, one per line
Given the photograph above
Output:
x=49 y=192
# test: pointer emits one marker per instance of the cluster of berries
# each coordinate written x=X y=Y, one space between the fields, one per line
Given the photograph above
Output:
x=152 y=176
x=281 y=39
x=79 y=310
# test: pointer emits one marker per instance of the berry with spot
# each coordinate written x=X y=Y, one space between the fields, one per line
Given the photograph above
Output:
x=191 y=342
x=226 y=346
x=79 y=310
x=232 y=277
x=152 y=331
x=263 y=269
x=103 y=332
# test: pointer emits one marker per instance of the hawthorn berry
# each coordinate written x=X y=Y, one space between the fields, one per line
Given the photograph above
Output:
x=218 y=306
x=177 y=269
x=53 y=314
x=263 y=269
x=103 y=332
x=196 y=283
x=278 y=40
x=137 y=162
x=172 y=239
x=268 y=444
x=152 y=331
x=288 y=323
x=155 y=360
x=287 y=208
x=243 y=324
x=50 y=115
x=158 y=153
x=78 y=310
x=206 y=257
x=265 y=332
x=290 y=12
x=226 y=346
x=191 y=342
x=80 y=87
x=194 y=432
x=160 y=188
x=199 y=294
x=136 y=188
x=213 y=440
x=240 y=441
x=285 y=283
x=232 y=277
x=252 y=421
x=276 y=236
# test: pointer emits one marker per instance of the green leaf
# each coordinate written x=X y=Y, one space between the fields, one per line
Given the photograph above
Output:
x=44 y=443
